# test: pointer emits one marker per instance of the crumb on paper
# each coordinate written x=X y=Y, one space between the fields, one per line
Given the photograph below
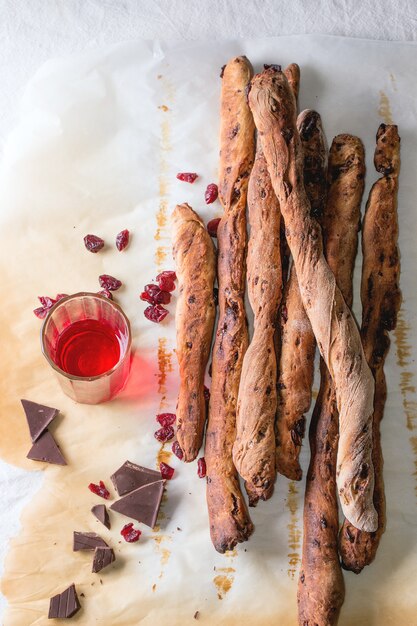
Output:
x=154 y=587
x=178 y=528
x=196 y=614
x=159 y=76
x=163 y=107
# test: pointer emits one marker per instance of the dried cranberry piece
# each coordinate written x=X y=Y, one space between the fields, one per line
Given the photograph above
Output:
x=105 y=292
x=284 y=314
x=155 y=313
x=212 y=226
x=40 y=312
x=177 y=450
x=166 y=470
x=166 y=279
x=100 y=490
x=155 y=295
x=46 y=301
x=206 y=393
x=93 y=243
x=109 y=282
x=122 y=240
x=201 y=467
x=130 y=534
x=166 y=419
x=188 y=177
x=164 y=434
x=211 y=193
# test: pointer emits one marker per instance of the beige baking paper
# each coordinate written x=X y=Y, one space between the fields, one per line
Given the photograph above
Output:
x=100 y=139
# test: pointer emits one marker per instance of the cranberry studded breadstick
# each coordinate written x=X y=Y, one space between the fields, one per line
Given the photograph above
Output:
x=195 y=258
x=229 y=518
x=273 y=106
x=321 y=588
x=381 y=300
x=298 y=343
x=254 y=448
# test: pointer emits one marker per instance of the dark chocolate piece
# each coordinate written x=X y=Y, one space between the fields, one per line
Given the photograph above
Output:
x=64 y=605
x=45 y=449
x=101 y=513
x=102 y=558
x=87 y=541
x=142 y=504
x=38 y=417
x=131 y=476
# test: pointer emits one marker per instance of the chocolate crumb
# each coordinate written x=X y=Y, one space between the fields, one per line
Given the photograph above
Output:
x=196 y=614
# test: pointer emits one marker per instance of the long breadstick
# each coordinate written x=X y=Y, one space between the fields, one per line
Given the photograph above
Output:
x=254 y=448
x=195 y=258
x=381 y=299
x=229 y=518
x=273 y=106
x=321 y=588
x=298 y=343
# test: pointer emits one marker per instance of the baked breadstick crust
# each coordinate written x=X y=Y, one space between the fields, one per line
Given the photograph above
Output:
x=298 y=343
x=228 y=514
x=254 y=448
x=381 y=300
x=273 y=107
x=195 y=258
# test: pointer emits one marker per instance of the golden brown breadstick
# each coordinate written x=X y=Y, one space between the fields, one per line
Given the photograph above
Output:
x=273 y=106
x=321 y=588
x=292 y=72
x=254 y=448
x=298 y=343
x=195 y=258
x=229 y=518
x=381 y=299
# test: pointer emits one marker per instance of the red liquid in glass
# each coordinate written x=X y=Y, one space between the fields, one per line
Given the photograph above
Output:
x=87 y=348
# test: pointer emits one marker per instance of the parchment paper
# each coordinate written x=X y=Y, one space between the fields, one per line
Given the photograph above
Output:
x=101 y=138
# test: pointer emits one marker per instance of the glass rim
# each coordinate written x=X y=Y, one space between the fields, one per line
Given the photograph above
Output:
x=99 y=297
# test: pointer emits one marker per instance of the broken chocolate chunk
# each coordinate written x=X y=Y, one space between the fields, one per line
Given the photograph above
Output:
x=131 y=476
x=45 y=449
x=102 y=558
x=101 y=513
x=64 y=605
x=142 y=504
x=87 y=541
x=38 y=417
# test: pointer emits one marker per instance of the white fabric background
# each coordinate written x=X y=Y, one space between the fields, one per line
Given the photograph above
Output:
x=32 y=31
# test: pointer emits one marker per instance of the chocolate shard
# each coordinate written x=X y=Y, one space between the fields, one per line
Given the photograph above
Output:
x=101 y=513
x=87 y=541
x=102 y=558
x=131 y=476
x=142 y=504
x=65 y=604
x=38 y=417
x=45 y=449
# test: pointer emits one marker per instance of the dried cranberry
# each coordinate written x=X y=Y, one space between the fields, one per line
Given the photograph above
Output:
x=100 y=490
x=166 y=279
x=164 y=434
x=155 y=313
x=211 y=193
x=105 y=292
x=130 y=534
x=188 y=177
x=122 y=240
x=155 y=295
x=93 y=243
x=109 y=282
x=201 y=467
x=40 y=312
x=206 y=393
x=212 y=226
x=166 y=471
x=166 y=419
x=177 y=450
x=284 y=314
x=46 y=301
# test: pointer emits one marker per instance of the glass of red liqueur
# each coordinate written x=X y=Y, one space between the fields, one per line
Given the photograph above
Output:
x=87 y=341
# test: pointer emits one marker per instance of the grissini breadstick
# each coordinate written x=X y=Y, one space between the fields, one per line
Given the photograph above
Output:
x=195 y=258
x=321 y=587
x=298 y=343
x=254 y=448
x=229 y=518
x=273 y=107
x=381 y=299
